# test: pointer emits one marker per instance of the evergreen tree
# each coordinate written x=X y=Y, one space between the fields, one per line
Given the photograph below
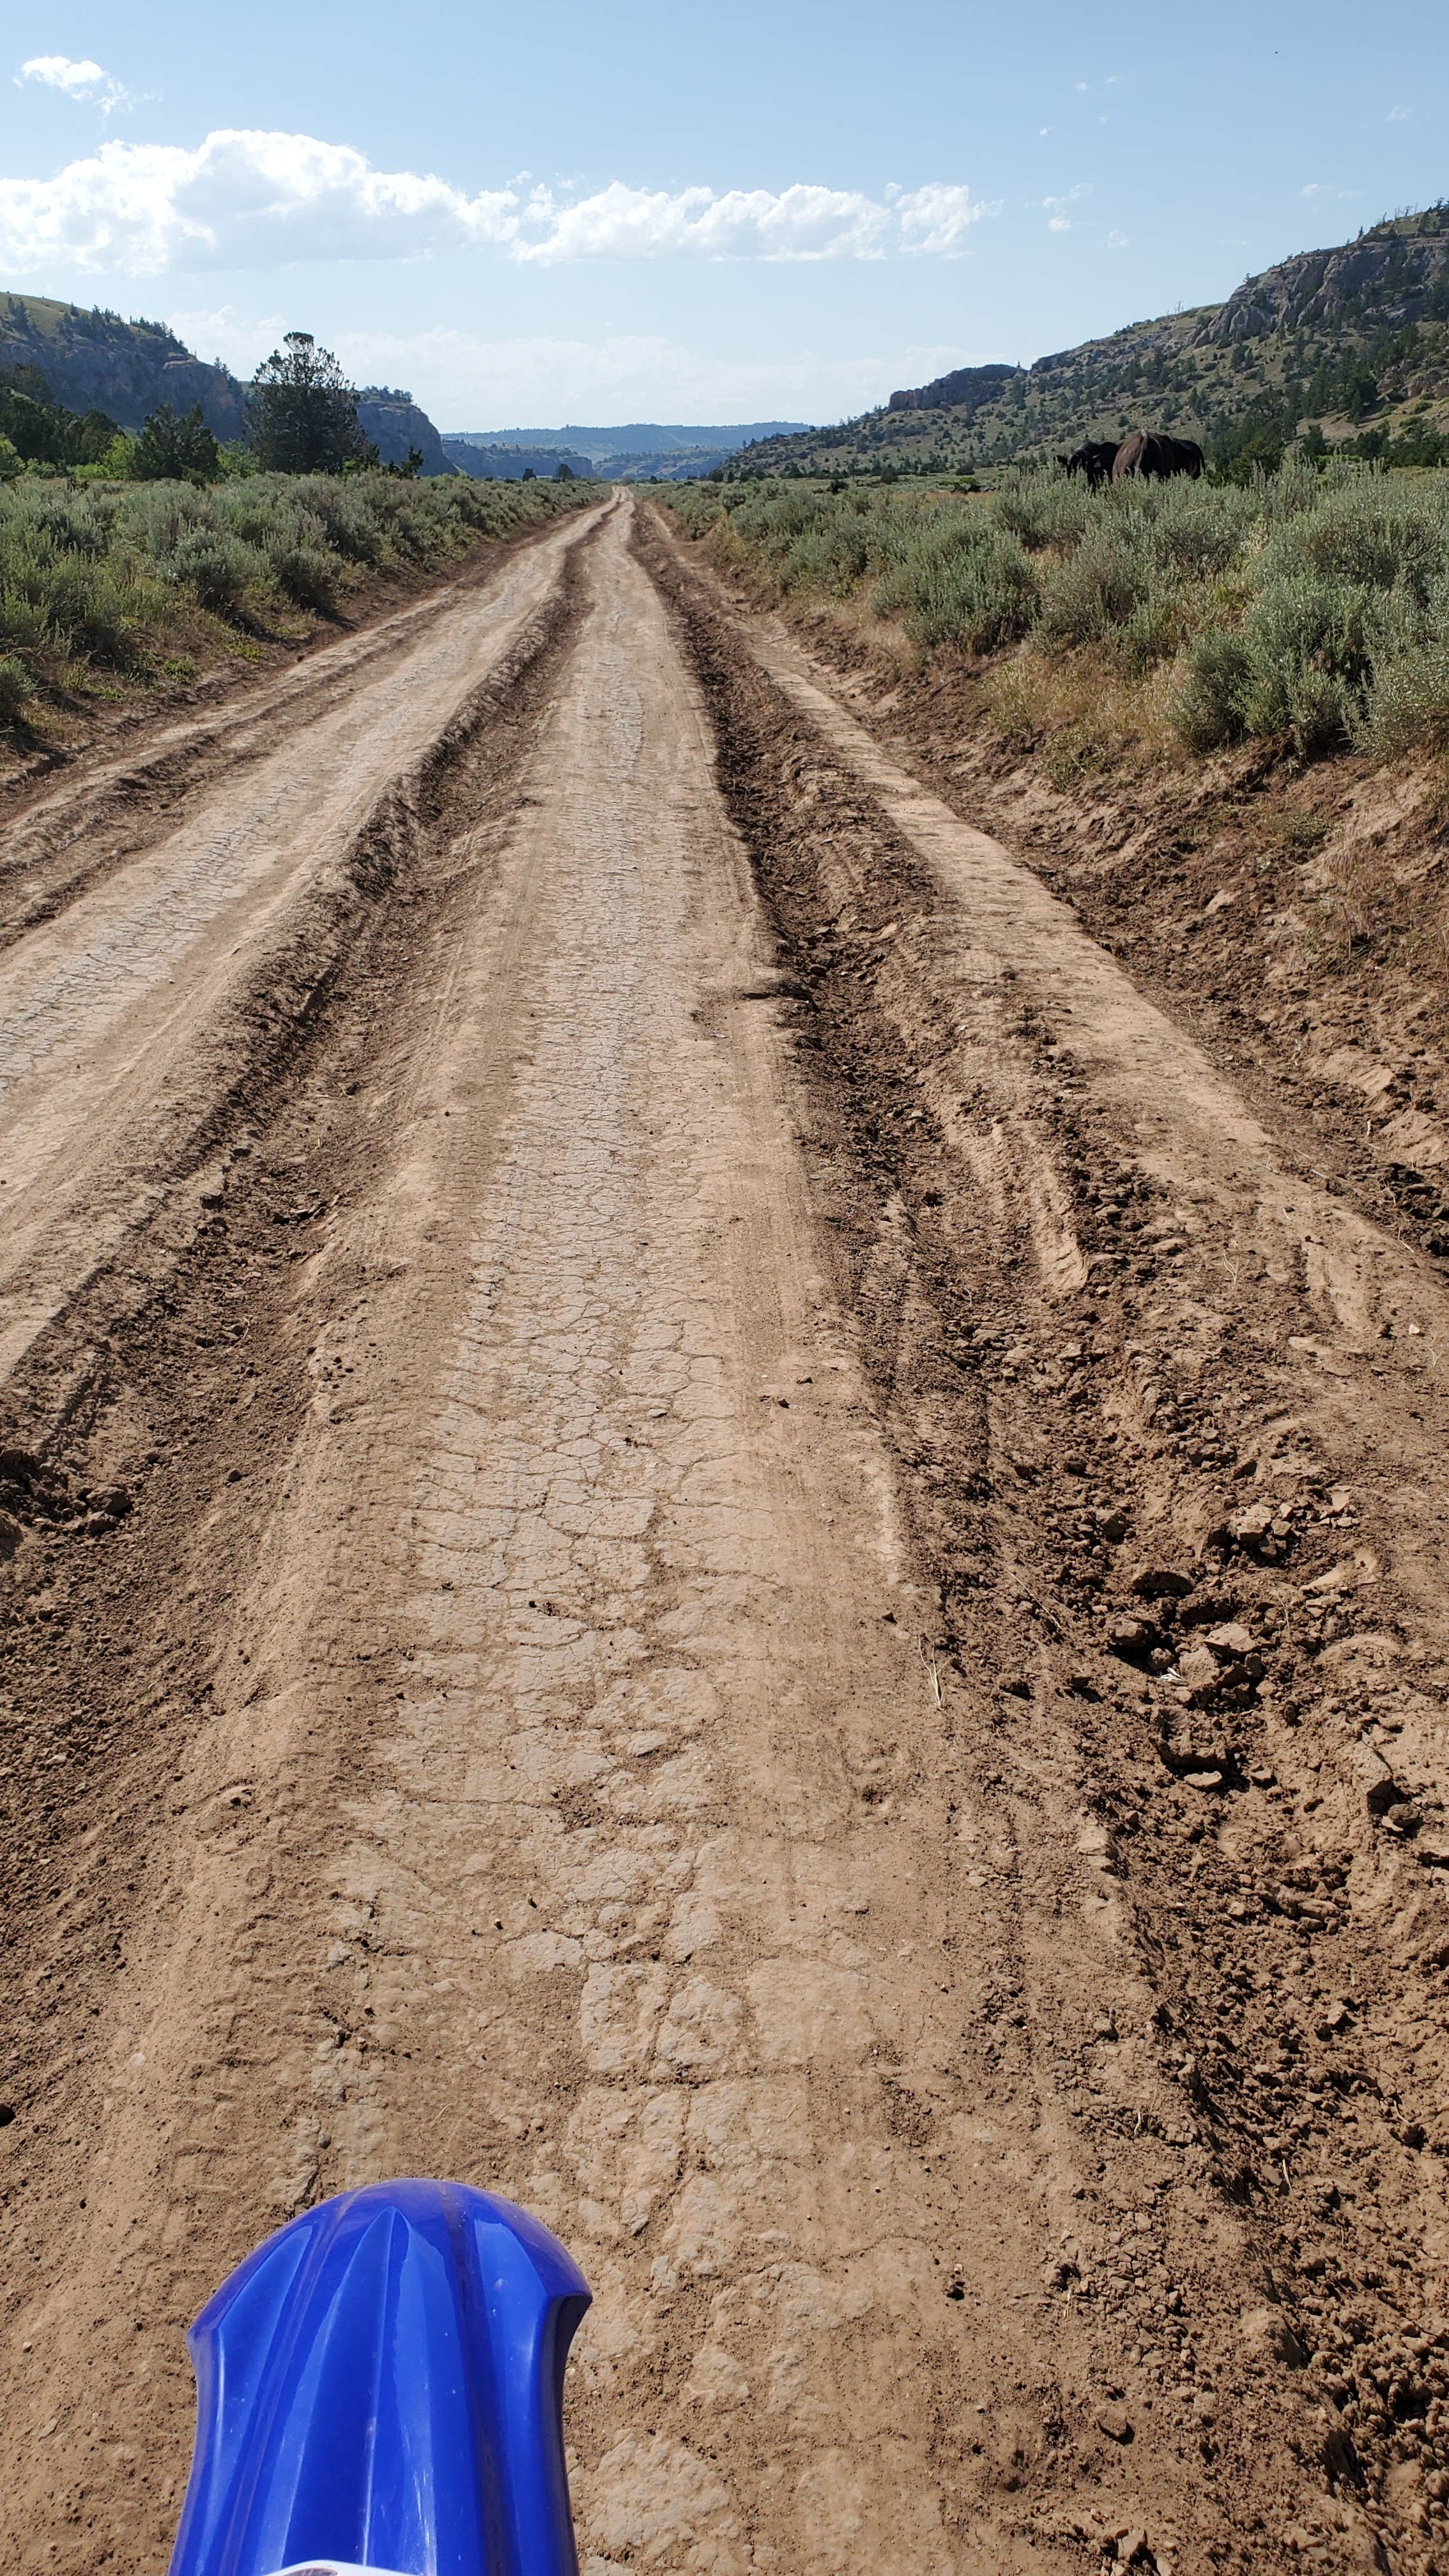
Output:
x=176 y=451
x=303 y=411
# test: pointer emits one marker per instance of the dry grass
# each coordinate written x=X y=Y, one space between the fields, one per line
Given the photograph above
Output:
x=1080 y=712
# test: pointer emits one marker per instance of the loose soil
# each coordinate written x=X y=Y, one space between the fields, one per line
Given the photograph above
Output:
x=701 y=1526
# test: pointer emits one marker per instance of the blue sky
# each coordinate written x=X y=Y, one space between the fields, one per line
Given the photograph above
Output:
x=536 y=214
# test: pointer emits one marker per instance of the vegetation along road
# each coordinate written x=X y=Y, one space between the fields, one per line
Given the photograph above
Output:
x=700 y=1522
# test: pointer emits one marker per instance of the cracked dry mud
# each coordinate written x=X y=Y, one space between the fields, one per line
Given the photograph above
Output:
x=697 y=1526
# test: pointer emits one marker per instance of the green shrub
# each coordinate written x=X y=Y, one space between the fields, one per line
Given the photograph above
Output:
x=1372 y=535
x=1208 y=705
x=173 y=450
x=972 y=586
x=1408 y=705
x=216 y=568
x=305 y=574
x=1044 y=507
x=1297 y=666
x=64 y=525
x=1089 y=596
x=1308 y=653
x=156 y=516
x=1306 y=606
x=248 y=509
x=351 y=519
x=16 y=688
x=1192 y=529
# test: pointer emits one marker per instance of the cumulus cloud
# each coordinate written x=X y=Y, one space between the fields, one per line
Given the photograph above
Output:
x=258 y=200
x=85 y=82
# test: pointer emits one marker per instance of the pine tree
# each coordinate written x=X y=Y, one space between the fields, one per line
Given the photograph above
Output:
x=303 y=411
x=169 y=450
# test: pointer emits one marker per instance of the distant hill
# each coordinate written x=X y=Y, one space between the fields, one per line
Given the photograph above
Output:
x=1348 y=345
x=498 y=463
x=636 y=449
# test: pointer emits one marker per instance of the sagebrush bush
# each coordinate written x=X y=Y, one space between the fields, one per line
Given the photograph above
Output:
x=1307 y=639
x=1382 y=538
x=971 y=585
x=1208 y=704
x=347 y=515
x=93 y=572
x=1312 y=608
x=1407 y=702
x=217 y=569
x=1044 y=507
x=16 y=688
x=1094 y=590
x=305 y=573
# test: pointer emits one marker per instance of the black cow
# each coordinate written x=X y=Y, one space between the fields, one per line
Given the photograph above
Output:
x=1095 y=460
x=1149 y=451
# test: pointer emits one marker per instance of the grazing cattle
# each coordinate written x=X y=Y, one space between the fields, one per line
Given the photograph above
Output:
x=1094 y=460
x=1148 y=451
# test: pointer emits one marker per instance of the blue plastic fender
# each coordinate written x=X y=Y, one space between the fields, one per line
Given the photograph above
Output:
x=379 y=2392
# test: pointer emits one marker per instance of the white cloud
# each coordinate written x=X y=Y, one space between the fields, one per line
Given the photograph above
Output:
x=84 y=82
x=258 y=200
x=1118 y=241
x=468 y=382
x=1058 y=219
x=1400 y=115
x=1315 y=188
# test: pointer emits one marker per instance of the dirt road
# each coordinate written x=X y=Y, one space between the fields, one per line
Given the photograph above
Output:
x=698 y=1527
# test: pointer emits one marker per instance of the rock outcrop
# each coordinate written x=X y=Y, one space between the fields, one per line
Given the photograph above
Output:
x=95 y=361
x=965 y=388
x=395 y=424
x=1385 y=278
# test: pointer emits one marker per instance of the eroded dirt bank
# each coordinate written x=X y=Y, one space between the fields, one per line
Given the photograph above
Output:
x=714 y=1542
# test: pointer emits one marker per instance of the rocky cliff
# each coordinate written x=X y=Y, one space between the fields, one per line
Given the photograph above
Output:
x=94 y=361
x=1389 y=276
x=395 y=423
x=965 y=388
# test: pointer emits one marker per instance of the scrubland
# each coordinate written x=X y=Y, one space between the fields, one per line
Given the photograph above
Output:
x=150 y=581
x=1311 y=608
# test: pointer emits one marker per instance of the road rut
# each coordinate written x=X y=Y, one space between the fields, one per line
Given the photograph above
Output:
x=520 y=1717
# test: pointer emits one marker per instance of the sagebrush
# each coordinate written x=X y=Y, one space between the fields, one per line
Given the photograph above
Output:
x=1311 y=607
x=94 y=574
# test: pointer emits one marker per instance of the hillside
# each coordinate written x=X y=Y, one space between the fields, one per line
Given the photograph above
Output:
x=495 y=460
x=634 y=451
x=395 y=423
x=95 y=361
x=1350 y=345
